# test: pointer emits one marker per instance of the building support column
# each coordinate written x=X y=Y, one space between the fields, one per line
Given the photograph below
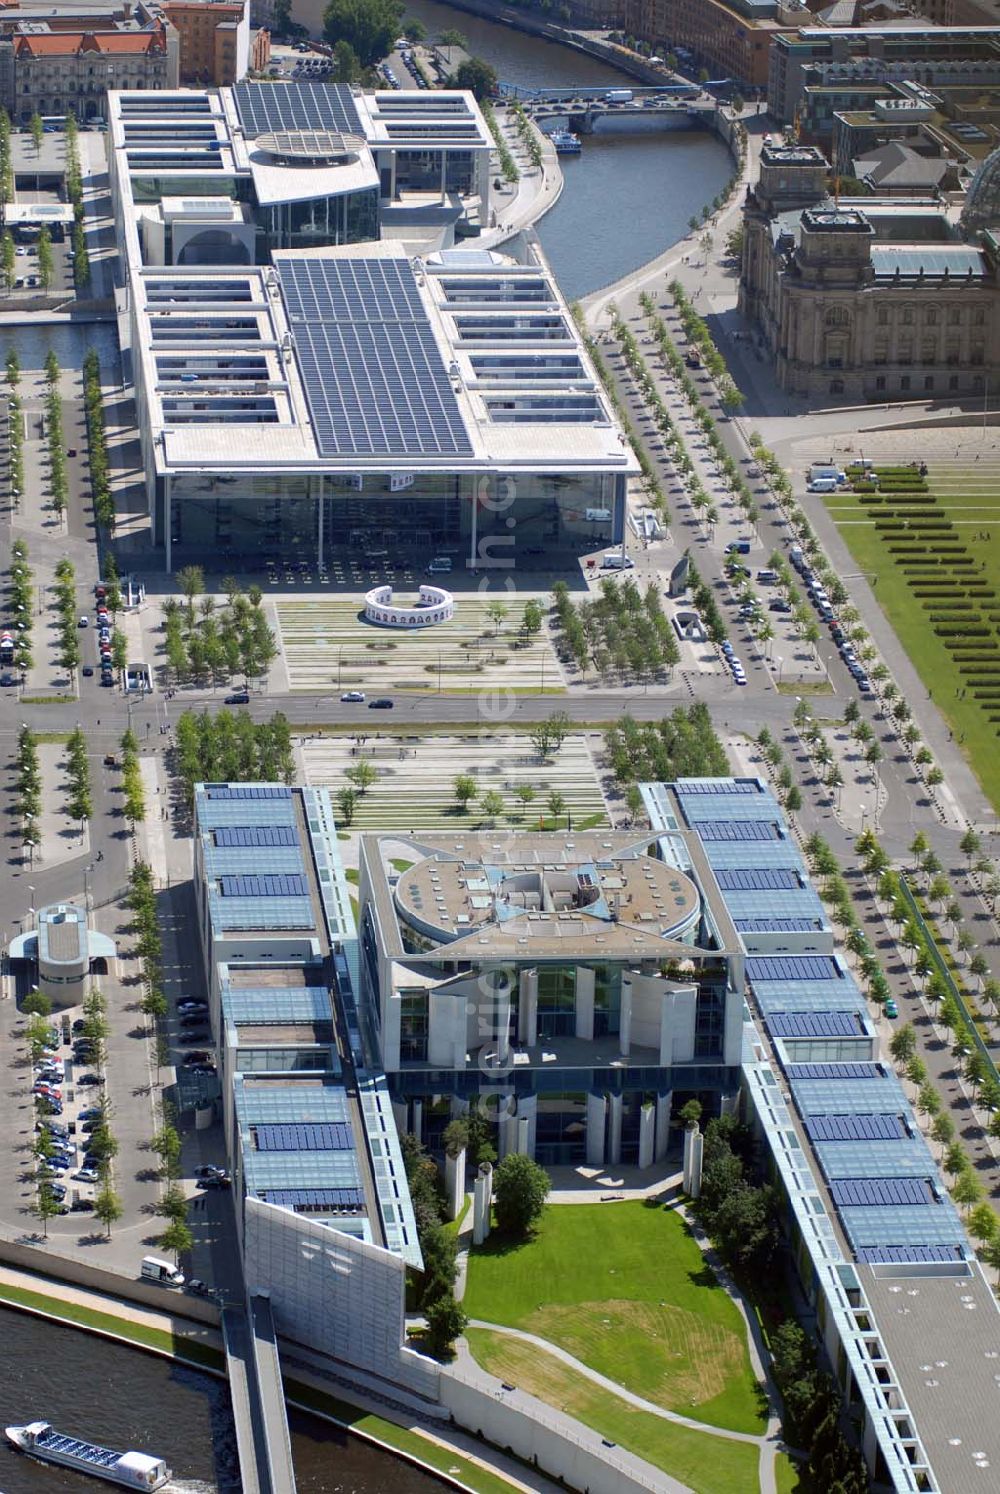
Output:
x=614 y=1129
x=474 y=549
x=168 y=520
x=625 y=1019
x=596 y=1111
x=647 y=1134
x=585 y=1002
x=662 y=1137
x=527 y=1110
x=319 y=525
x=417 y=1113
x=527 y=1008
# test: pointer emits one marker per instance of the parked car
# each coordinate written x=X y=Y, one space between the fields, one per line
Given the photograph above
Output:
x=238 y=697
x=91 y=1113
x=85 y=1175
x=216 y=1182
x=87 y=1081
x=198 y=1056
x=193 y=1019
x=192 y=1004
x=82 y=1206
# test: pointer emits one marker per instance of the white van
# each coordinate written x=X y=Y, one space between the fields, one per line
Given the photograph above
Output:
x=439 y=566
x=153 y=1269
x=827 y=469
x=822 y=485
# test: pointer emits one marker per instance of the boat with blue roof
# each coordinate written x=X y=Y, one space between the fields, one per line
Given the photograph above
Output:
x=130 y=1470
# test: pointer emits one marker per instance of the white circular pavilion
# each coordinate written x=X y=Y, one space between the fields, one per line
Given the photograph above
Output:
x=434 y=605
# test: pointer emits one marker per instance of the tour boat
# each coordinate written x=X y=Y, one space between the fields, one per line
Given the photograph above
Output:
x=131 y=1470
x=565 y=142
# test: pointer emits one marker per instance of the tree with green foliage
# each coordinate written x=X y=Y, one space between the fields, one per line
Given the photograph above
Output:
x=47 y=1206
x=108 y=1207
x=967 y=1190
x=491 y=806
x=37 y=130
x=347 y=803
x=8 y=259
x=177 y=1238
x=478 y=76
x=446 y=1321
x=465 y=789
x=36 y=1004
x=520 y=1188
x=46 y=263
x=370 y=27
x=903 y=1045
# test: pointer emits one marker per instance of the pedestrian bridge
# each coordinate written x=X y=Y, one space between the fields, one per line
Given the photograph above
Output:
x=590 y=111
x=254 y=1374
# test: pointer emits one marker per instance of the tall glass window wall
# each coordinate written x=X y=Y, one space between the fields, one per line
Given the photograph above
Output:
x=710 y=1019
x=420 y=171
x=350 y=218
x=607 y=999
x=556 y=1002
x=561 y=1129
x=413 y=1026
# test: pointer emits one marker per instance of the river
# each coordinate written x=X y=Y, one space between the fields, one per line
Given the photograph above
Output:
x=128 y=1399
x=625 y=201
x=626 y=198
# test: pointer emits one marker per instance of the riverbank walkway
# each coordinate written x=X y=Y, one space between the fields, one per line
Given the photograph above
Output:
x=536 y=191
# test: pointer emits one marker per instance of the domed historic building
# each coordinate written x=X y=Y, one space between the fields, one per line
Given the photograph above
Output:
x=870 y=298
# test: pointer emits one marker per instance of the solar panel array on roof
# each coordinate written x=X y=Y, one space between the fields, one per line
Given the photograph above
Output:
x=314 y=1198
x=304 y=1138
x=814 y=1024
x=909 y=1254
x=834 y=1071
x=247 y=791
x=687 y=786
x=266 y=107
x=278 y=886
x=710 y=830
x=256 y=835
x=758 y=879
x=855 y=1127
x=373 y=373
x=793 y=967
x=776 y=925
x=867 y=1193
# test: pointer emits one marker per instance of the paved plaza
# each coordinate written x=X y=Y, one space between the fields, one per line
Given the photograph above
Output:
x=414 y=788
x=327 y=644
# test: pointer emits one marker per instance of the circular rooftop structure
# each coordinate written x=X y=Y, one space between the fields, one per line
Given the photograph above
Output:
x=982 y=201
x=310 y=147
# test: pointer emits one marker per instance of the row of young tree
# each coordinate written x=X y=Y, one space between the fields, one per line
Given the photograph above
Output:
x=74 y=192
x=230 y=747
x=621 y=631
x=58 y=484
x=100 y=475
x=683 y=745
x=66 y=615
x=22 y=604
x=28 y=789
x=202 y=642
x=15 y=429
x=652 y=490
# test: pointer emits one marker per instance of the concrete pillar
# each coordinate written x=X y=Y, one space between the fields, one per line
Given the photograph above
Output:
x=693 y=1146
x=615 y=1129
x=503 y=1011
x=596 y=1108
x=527 y=1111
x=482 y=1201
x=663 y=1104
x=647 y=1135
x=454 y=1183
x=527 y=1009
x=625 y=1026
x=585 y=1003
x=417 y=1113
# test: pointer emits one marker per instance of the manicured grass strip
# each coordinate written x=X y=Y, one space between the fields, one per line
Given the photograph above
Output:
x=624 y=1288
x=400 y=1439
x=706 y=1464
x=787 y=1477
x=76 y=1315
x=454 y=1225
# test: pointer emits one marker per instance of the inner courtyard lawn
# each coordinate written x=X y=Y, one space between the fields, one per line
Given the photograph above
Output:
x=707 y=1464
x=624 y=1288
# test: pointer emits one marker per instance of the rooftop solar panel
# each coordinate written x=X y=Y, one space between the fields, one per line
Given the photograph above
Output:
x=374 y=376
x=855 y=1127
x=737 y=830
x=256 y=835
x=717 y=786
x=277 y=886
x=909 y=1254
x=266 y=107
x=777 y=925
x=793 y=967
x=314 y=1198
x=834 y=1071
x=866 y=1193
x=304 y=1138
x=247 y=791
x=814 y=1024
x=758 y=879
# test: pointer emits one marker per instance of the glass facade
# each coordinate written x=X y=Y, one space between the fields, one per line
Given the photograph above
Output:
x=556 y=1002
x=420 y=171
x=607 y=999
x=349 y=218
x=413 y=1026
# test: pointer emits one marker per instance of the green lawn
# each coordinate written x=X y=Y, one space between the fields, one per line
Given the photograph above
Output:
x=624 y=1288
x=966 y=554
x=787 y=1475
x=705 y=1463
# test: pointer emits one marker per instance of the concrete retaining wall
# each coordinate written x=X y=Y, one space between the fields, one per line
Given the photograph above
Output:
x=109 y=1283
x=532 y=1432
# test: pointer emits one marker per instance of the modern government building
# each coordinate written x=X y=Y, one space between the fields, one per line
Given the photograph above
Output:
x=322 y=354
x=581 y=987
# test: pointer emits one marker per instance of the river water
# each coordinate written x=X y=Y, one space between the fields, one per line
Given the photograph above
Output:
x=626 y=199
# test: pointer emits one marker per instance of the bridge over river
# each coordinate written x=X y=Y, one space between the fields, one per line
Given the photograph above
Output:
x=590 y=110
